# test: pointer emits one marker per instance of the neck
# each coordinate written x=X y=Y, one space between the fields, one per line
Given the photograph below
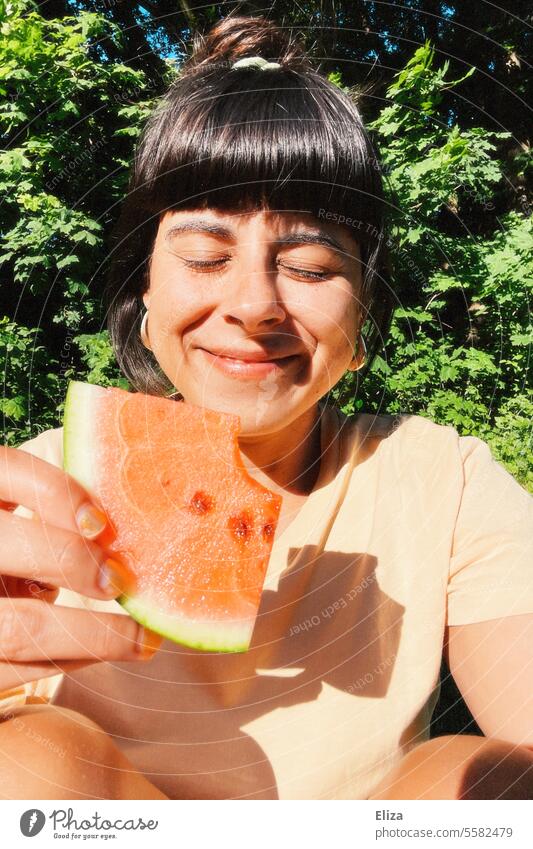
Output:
x=288 y=460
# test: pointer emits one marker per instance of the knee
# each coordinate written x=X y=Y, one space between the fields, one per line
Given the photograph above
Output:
x=498 y=770
x=461 y=766
x=474 y=767
x=44 y=731
x=51 y=752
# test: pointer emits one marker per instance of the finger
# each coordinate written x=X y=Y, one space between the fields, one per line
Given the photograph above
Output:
x=13 y=676
x=37 y=551
x=34 y=632
x=49 y=491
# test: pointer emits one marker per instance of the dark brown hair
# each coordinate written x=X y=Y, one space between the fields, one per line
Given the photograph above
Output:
x=244 y=139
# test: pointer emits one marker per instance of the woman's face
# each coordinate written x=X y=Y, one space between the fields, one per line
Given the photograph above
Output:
x=257 y=285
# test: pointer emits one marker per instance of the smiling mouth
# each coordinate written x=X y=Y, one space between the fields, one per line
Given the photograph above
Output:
x=250 y=358
x=247 y=368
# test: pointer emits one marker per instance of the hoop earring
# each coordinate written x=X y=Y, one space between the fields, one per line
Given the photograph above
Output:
x=353 y=367
x=144 y=331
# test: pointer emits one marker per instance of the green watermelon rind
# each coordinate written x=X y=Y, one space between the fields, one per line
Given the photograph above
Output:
x=77 y=433
x=194 y=634
x=77 y=461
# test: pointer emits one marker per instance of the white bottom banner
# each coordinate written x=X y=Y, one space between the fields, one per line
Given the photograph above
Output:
x=246 y=824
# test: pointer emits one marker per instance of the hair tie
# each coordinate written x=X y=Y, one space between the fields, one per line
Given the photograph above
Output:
x=256 y=62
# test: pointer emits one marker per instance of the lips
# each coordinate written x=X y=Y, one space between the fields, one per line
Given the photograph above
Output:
x=250 y=356
x=250 y=369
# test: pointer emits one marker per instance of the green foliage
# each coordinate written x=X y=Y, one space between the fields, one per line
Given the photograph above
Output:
x=99 y=360
x=30 y=382
x=70 y=113
x=460 y=341
x=68 y=120
x=510 y=437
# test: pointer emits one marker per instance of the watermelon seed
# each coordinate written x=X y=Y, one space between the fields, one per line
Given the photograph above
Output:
x=268 y=530
x=201 y=502
x=240 y=526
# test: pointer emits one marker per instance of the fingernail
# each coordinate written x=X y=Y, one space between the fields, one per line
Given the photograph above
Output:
x=148 y=643
x=115 y=578
x=91 y=521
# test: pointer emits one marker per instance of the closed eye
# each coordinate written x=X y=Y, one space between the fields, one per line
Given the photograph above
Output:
x=311 y=275
x=207 y=264
x=215 y=265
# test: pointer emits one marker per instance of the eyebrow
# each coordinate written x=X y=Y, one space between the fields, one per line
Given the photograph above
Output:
x=302 y=237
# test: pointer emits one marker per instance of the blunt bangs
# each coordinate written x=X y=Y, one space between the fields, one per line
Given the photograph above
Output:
x=285 y=141
x=238 y=140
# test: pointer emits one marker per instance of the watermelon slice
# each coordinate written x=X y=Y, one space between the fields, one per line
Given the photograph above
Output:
x=195 y=529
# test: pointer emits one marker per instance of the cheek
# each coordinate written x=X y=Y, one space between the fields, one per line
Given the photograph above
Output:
x=335 y=319
x=175 y=303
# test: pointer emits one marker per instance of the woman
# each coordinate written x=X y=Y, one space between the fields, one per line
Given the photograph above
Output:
x=249 y=273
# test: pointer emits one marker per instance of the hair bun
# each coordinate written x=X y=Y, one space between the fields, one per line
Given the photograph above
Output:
x=236 y=37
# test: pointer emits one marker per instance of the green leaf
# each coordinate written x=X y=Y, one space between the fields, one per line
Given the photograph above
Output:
x=15 y=408
x=68 y=260
x=448 y=373
x=85 y=236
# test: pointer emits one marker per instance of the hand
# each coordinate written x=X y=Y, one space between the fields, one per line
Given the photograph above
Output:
x=58 y=548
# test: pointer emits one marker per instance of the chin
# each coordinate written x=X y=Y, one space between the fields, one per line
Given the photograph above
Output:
x=257 y=417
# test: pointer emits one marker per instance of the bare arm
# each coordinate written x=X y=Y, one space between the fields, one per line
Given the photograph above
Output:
x=492 y=664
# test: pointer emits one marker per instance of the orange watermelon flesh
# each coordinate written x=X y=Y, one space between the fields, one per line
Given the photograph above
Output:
x=194 y=528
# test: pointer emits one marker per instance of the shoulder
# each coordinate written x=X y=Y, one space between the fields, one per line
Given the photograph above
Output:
x=407 y=433
x=47 y=445
x=418 y=449
x=414 y=450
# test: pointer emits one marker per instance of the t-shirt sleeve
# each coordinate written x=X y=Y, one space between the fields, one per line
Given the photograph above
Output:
x=491 y=565
x=47 y=445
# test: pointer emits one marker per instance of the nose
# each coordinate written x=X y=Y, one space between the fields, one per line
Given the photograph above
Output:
x=254 y=300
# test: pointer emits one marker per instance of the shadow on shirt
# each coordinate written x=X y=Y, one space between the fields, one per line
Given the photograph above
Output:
x=187 y=718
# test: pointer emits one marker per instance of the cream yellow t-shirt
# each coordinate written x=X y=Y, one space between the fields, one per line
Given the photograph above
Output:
x=409 y=527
